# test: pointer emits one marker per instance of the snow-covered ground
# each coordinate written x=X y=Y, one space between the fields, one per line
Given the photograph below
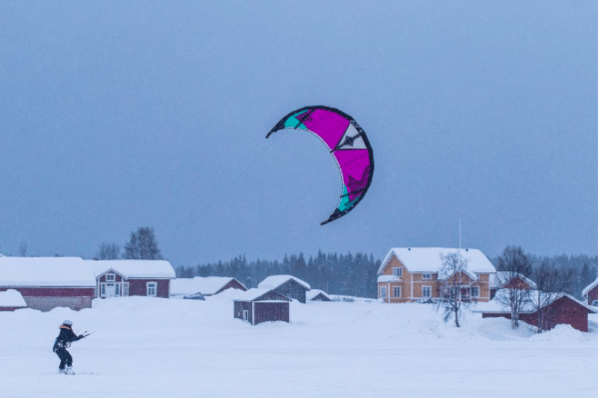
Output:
x=151 y=347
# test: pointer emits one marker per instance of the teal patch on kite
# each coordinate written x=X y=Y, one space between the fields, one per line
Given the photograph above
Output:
x=293 y=123
x=345 y=202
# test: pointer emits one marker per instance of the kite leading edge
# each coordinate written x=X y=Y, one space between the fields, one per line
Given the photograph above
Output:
x=348 y=144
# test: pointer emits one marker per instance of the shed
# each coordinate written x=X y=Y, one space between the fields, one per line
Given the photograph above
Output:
x=288 y=285
x=509 y=280
x=562 y=308
x=115 y=278
x=49 y=282
x=11 y=300
x=590 y=293
x=261 y=305
x=317 y=295
x=207 y=286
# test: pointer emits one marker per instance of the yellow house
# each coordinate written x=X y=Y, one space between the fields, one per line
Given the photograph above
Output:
x=413 y=273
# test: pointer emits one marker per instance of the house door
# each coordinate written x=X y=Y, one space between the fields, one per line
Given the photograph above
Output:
x=245 y=315
x=110 y=290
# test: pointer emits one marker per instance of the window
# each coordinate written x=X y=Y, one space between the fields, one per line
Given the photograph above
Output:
x=245 y=315
x=426 y=276
x=125 y=288
x=397 y=291
x=426 y=290
x=102 y=289
x=383 y=292
x=397 y=271
x=110 y=277
x=117 y=289
x=474 y=291
x=151 y=289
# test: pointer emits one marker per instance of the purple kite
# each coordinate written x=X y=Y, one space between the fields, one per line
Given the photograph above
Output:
x=346 y=141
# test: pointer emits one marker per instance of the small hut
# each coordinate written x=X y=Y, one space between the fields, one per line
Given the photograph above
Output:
x=261 y=305
x=288 y=285
x=317 y=295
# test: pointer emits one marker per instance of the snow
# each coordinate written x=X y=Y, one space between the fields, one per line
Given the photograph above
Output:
x=312 y=293
x=251 y=294
x=589 y=287
x=388 y=278
x=274 y=281
x=45 y=272
x=502 y=277
x=529 y=306
x=151 y=347
x=134 y=268
x=205 y=285
x=12 y=298
x=429 y=259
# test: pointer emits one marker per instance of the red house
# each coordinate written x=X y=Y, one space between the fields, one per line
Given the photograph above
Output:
x=509 y=280
x=49 y=282
x=11 y=300
x=118 y=278
x=207 y=286
x=261 y=305
x=590 y=293
x=558 y=309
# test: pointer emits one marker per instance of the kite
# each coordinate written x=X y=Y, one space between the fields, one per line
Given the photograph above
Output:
x=348 y=144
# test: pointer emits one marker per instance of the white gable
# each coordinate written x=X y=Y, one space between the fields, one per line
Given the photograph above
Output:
x=274 y=281
x=589 y=287
x=45 y=271
x=133 y=268
x=205 y=285
x=429 y=259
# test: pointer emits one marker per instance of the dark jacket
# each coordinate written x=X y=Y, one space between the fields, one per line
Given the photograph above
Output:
x=65 y=337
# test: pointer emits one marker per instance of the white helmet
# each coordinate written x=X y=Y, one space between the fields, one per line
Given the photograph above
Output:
x=69 y=323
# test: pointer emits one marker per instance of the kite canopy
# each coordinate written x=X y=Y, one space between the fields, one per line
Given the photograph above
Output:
x=348 y=144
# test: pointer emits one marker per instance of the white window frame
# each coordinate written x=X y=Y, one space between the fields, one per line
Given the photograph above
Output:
x=399 y=290
x=427 y=277
x=245 y=315
x=110 y=277
x=477 y=290
x=125 y=291
x=397 y=271
x=103 y=289
x=117 y=290
x=423 y=288
x=383 y=292
x=150 y=285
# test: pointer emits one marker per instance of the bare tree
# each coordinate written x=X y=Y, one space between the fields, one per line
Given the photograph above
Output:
x=142 y=245
x=108 y=251
x=23 y=249
x=454 y=281
x=552 y=283
x=514 y=264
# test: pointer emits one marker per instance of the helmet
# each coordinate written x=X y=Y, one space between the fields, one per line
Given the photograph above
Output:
x=68 y=323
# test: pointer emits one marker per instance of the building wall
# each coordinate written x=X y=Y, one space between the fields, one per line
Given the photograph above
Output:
x=592 y=295
x=293 y=290
x=239 y=307
x=137 y=287
x=271 y=312
x=10 y=308
x=47 y=298
x=233 y=284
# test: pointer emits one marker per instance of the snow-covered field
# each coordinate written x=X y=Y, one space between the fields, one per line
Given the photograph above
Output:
x=149 y=347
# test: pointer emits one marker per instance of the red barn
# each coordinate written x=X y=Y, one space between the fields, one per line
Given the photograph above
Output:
x=49 y=282
x=559 y=309
x=208 y=286
x=261 y=305
x=117 y=278
x=590 y=293
x=509 y=280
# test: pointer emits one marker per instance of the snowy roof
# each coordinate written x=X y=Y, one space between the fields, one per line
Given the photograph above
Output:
x=429 y=259
x=589 y=287
x=134 y=268
x=12 y=298
x=502 y=277
x=312 y=293
x=535 y=297
x=204 y=285
x=274 y=281
x=45 y=271
x=252 y=294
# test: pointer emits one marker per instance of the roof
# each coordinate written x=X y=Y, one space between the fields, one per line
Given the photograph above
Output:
x=589 y=287
x=11 y=298
x=45 y=271
x=496 y=306
x=133 y=268
x=312 y=293
x=429 y=259
x=274 y=281
x=205 y=285
x=254 y=293
x=502 y=277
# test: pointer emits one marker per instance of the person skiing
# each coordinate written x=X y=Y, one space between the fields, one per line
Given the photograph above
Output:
x=62 y=342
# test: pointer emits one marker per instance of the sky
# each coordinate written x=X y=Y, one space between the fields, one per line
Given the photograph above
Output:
x=118 y=115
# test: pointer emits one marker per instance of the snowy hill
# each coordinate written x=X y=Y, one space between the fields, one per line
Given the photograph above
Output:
x=152 y=347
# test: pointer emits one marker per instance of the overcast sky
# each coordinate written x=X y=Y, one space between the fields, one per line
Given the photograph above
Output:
x=116 y=115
